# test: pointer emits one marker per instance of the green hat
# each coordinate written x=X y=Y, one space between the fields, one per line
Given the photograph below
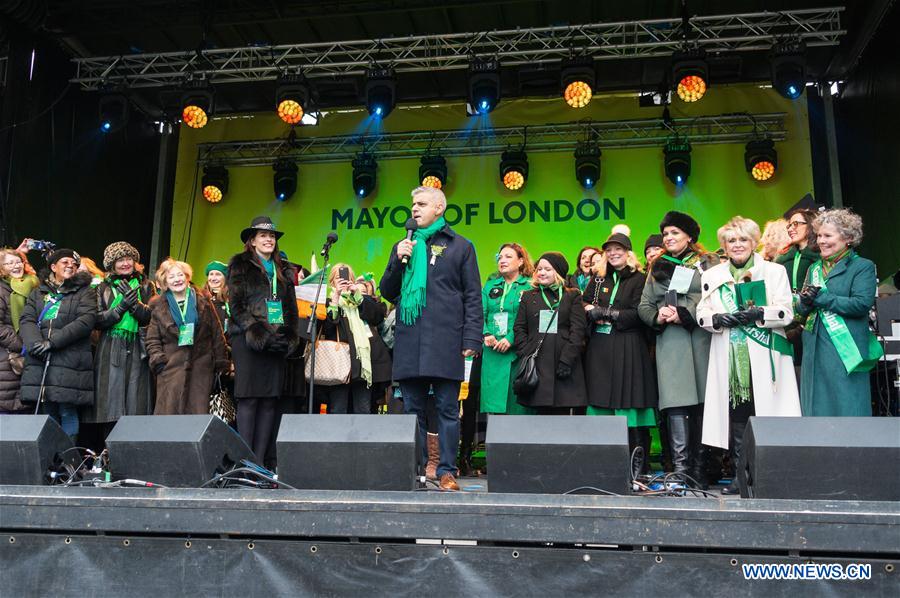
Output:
x=220 y=266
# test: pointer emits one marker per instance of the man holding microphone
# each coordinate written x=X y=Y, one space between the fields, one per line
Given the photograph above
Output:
x=440 y=320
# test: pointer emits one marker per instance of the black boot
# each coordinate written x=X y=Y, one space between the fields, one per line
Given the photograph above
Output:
x=642 y=436
x=465 y=461
x=699 y=453
x=679 y=442
x=737 y=446
x=635 y=452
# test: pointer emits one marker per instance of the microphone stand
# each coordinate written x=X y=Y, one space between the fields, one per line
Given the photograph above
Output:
x=312 y=326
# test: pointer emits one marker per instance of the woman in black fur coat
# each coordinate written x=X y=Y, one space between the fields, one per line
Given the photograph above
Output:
x=263 y=330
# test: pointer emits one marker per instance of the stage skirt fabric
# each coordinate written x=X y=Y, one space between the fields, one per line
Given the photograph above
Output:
x=257 y=374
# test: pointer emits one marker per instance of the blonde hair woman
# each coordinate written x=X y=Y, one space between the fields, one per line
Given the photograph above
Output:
x=774 y=239
x=17 y=280
x=184 y=341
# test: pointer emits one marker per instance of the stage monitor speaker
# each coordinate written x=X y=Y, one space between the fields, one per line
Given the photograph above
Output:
x=31 y=446
x=822 y=458
x=347 y=452
x=539 y=454
x=174 y=450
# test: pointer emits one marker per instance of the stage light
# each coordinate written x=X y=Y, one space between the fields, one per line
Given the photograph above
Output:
x=577 y=81
x=113 y=112
x=761 y=159
x=513 y=169
x=587 y=164
x=380 y=92
x=364 y=174
x=789 y=69
x=197 y=104
x=483 y=86
x=677 y=154
x=433 y=171
x=292 y=95
x=285 y=179
x=214 y=183
x=690 y=75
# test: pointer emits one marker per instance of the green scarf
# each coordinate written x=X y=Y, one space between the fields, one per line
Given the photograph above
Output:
x=127 y=327
x=21 y=288
x=739 y=382
x=415 y=276
x=360 y=333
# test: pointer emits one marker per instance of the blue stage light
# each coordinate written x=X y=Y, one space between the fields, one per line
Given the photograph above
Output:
x=588 y=183
x=678 y=179
x=378 y=110
x=106 y=126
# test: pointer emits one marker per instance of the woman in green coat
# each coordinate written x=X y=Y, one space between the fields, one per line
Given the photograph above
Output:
x=796 y=259
x=500 y=298
x=669 y=306
x=838 y=348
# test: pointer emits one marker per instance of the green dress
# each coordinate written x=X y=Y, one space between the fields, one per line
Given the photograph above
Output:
x=498 y=369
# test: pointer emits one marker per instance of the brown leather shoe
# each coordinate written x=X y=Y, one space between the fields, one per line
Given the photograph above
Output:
x=448 y=482
x=434 y=456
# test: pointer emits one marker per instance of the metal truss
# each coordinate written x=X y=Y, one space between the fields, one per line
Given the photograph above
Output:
x=725 y=128
x=603 y=41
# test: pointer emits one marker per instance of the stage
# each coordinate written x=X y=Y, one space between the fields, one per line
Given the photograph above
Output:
x=233 y=541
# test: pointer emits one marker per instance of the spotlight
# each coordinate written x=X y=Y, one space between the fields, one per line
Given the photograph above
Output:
x=483 y=86
x=677 y=154
x=690 y=75
x=789 y=69
x=197 y=104
x=577 y=81
x=364 y=174
x=113 y=112
x=214 y=183
x=285 y=179
x=292 y=95
x=513 y=169
x=380 y=92
x=433 y=171
x=761 y=159
x=587 y=164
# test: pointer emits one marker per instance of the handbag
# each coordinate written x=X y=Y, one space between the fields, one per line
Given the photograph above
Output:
x=220 y=402
x=332 y=362
x=527 y=378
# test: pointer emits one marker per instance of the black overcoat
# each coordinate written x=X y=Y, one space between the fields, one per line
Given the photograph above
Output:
x=563 y=347
x=618 y=369
x=259 y=349
x=70 y=376
x=452 y=319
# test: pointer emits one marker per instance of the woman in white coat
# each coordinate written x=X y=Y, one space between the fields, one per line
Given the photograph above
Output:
x=751 y=370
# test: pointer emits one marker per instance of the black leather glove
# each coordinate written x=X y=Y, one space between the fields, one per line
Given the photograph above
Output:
x=725 y=321
x=120 y=309
x=130 y=298
x=612 y=314
x=563 y=371
x=748 y=316
x=596 y=314
x=808 y=294
x=40 y=348
x=159 y=367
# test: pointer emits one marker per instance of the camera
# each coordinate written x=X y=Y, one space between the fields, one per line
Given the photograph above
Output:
x=42 y=246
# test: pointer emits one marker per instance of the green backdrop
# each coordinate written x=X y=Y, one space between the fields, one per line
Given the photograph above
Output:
x=552 y=212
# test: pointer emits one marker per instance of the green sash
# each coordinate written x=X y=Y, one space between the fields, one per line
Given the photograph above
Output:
x=839 y=333
x=761 y=336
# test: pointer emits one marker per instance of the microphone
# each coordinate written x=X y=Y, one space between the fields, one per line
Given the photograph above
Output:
x=411 y=227
x=329 y=241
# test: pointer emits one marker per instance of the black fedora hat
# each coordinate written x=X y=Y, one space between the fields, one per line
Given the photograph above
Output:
x=619 y=238
x=260 y=223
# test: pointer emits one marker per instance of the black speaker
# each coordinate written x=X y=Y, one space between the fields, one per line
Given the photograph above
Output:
x=174 y=450
x=823 y=458
x=540 y=454
x=30 y=447
x=347 y=452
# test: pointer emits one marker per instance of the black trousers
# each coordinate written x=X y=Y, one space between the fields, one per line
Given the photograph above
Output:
x=256 y=423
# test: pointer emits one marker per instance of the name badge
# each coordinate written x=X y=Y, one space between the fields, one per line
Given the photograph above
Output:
x=681 y=279
x=274 y=312
x=52 y=311
x=501 y=323
x=185 y=335
x=544 y=323
x=603 y=328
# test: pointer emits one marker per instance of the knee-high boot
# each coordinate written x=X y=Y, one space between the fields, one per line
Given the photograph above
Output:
x=699 y=452
x=737 y=449
x=679 y=442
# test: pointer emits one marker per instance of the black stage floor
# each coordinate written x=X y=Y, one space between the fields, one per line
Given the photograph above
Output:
x=247 y=542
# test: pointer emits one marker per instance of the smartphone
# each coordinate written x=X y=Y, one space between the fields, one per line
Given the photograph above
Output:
x=344 y=273
x=671 y=298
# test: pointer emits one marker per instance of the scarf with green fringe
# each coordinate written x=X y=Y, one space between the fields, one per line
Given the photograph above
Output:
x=21 y=288
x=359 y=330
x=127 y=327
x=415 y=276
x=740 y=388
